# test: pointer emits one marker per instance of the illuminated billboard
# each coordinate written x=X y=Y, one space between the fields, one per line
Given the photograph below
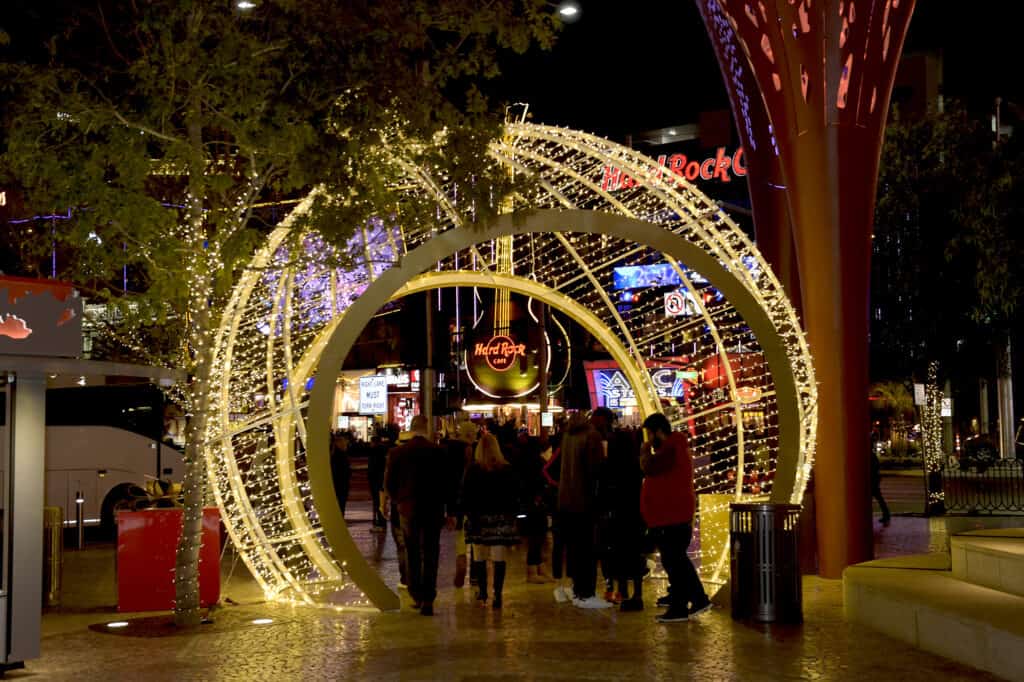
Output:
x=610 y=388
x=643 y=276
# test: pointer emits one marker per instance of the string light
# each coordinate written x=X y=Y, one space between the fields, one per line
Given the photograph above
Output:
x=294 y=294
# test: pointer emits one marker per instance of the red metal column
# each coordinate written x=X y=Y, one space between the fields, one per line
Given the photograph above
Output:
x=824 y=71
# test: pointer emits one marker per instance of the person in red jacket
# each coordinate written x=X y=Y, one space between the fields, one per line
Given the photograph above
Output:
x=668 y=503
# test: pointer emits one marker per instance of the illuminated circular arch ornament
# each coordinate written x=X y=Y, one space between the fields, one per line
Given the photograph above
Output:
x=292 y=320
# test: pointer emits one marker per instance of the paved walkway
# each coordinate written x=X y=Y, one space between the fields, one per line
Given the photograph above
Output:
x=532 y=638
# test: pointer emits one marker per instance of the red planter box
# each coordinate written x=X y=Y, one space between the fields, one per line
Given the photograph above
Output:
x=146 y=544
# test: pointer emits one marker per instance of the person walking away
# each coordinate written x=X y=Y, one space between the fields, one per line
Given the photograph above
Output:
x=341 y=467
x=490 y=502
x=668 y=504
x=603 y=419
x=529 y=467
x=552 y=472
x=460 y=455
x=876 y=480
x=415 y=480
x=582 y=452
x=377 y=460
x=621 y=482
x=389 y=507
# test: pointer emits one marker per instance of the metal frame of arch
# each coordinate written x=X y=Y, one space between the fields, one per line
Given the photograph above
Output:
x=442 y=246
x=634 y=372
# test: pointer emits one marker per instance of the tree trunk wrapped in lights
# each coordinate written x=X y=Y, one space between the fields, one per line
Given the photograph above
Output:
x=931 y=436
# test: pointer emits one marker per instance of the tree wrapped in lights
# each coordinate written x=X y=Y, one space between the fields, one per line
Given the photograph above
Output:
x=174 y=130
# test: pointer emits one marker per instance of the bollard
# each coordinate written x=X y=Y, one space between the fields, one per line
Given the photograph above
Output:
x=53 y=554
x=80 y=518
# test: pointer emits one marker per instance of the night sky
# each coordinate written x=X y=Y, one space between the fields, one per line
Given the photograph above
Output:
x=628 y=67
x=625 y=67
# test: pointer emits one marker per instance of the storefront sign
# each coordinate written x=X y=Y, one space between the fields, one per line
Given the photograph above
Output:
x=373 y=394
x=613 y=389
x=748 y=394
x=39 y=317
x=399 y=379
x=719 y=167
x=500 y=352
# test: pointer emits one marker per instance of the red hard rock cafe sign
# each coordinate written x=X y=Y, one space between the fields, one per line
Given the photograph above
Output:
x=500 y=352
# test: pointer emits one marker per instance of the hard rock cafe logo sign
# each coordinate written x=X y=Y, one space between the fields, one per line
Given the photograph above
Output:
x=717 y=167
x=500 y=352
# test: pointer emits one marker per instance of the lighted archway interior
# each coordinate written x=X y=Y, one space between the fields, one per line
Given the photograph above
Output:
x=293 y=317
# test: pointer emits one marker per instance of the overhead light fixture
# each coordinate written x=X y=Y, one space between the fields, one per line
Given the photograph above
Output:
x=672 y=132
x=245 y=4
x=118 y=624
x=569 y=11
x=263 y=621
x=487 y=407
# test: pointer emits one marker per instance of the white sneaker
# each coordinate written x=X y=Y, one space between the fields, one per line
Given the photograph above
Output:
x=562 y=595
x=594 y=602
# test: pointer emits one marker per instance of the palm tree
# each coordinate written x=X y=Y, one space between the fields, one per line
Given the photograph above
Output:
x=893 y=401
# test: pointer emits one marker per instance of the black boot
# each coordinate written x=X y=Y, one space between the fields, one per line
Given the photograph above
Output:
x=636 y=600
x=499 y=582
x=480 y=571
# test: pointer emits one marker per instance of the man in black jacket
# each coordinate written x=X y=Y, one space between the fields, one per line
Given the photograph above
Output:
x=415 y=481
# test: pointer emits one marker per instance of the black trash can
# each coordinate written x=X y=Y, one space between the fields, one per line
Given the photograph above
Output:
x=765 y=562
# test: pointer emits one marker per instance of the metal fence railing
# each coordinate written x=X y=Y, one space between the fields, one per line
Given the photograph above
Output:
x=984 y=489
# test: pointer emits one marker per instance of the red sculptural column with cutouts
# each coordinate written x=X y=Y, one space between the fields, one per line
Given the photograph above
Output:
x=809 y=82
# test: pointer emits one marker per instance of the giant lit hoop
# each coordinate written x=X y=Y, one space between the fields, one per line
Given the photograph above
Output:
x=293 y=318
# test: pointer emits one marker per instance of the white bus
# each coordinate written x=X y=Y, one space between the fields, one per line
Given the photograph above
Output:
x=103 y=443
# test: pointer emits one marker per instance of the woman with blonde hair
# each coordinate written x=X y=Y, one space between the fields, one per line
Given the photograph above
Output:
x=490 y=503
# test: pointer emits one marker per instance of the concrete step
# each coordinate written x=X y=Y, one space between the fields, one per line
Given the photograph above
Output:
x=931 y=610
x=992 y=558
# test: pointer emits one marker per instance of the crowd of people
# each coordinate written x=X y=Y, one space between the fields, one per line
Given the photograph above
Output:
x=607 y=496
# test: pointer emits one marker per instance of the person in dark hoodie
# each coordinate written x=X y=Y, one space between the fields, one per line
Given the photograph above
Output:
x=623 y=526
x=415 y=479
